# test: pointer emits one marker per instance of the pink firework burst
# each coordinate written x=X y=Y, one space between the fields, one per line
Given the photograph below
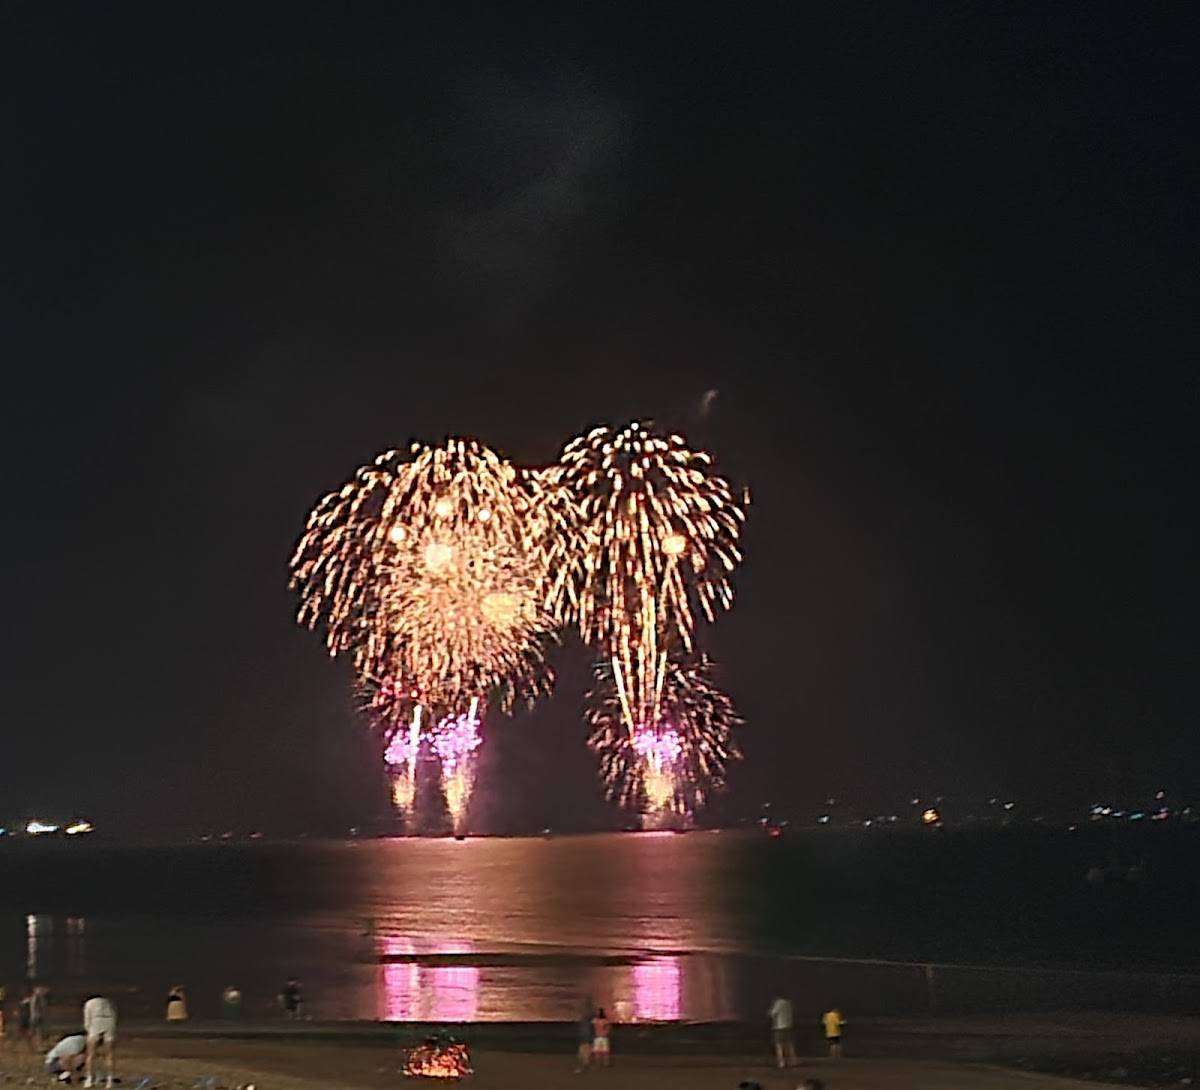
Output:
x=661 y=746
x=402 y=749
x=456 y=738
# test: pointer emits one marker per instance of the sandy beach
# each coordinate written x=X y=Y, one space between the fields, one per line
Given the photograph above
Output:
x=282 y=1064
x=934 y=1054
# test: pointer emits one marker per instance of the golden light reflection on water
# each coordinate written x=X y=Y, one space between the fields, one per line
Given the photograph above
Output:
x=540 y=924
x=46 y=954
x=489 y=930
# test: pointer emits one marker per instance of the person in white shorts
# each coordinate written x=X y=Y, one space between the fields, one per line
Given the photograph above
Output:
x=100 y=1025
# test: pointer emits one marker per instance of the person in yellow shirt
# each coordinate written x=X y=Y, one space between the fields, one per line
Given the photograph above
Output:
x=833 y=1022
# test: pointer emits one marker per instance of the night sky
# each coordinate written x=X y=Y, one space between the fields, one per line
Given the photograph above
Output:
x=938 y=261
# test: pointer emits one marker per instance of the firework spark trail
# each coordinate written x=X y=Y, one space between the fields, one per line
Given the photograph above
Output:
x=454 y=741
x=400 y=756
x=647 y=536
x=667 y=766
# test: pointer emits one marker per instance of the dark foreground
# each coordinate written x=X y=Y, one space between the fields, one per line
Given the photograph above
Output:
x=955 y=1054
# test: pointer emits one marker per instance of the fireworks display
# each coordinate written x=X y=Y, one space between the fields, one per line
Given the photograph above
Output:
x=427 y=570
x=649 y=539
x=445 y=573
x=664 y=768
x=649 y=536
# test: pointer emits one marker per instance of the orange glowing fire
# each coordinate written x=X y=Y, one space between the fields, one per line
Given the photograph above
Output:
x=438 y=1061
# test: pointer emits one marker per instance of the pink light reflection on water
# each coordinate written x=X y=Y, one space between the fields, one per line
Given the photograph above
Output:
x=453 y=991
x=657 y=990
x=413 y=992
x=401 y=980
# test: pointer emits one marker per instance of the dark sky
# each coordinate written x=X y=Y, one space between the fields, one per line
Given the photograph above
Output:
x=938 y=260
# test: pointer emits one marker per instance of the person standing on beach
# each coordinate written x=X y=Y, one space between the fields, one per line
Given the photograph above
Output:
x=601 y=1047
x=833 y=1022
x=783 y=1031
x=31 y=1017
x=231 y=1001
x=177 y=1004
x=100 y=1025
x=292 y=998
x=583 y=1055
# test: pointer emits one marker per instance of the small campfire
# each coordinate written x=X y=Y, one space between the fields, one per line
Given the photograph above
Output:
x=438 y=1058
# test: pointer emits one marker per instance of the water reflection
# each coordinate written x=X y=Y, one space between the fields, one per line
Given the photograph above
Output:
x=538 y=925
x=416 y=991
x=37 y=931
x=76 y=946
x=45 y=956
x=657 y=990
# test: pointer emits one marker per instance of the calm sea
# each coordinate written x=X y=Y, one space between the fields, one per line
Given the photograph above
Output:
x=703 y=926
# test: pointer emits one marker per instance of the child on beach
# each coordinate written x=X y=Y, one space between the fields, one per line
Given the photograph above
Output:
x=601 y=1052
x=833 y=1022
x=31 y=1017
x=177 y=1004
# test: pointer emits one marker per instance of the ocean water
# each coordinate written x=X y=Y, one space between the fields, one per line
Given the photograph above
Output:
x=659 y=927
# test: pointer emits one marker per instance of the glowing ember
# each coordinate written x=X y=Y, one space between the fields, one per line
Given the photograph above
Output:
x=674 y=544
x=436 y=1059
x=438 y=556
x=500 y=608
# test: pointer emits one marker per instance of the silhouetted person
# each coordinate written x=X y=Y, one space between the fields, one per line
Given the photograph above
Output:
x=583 y=1052
x=292 y=998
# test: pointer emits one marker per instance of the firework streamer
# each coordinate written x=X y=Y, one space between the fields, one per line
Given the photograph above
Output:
x=400 y=756
x=455 y=742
